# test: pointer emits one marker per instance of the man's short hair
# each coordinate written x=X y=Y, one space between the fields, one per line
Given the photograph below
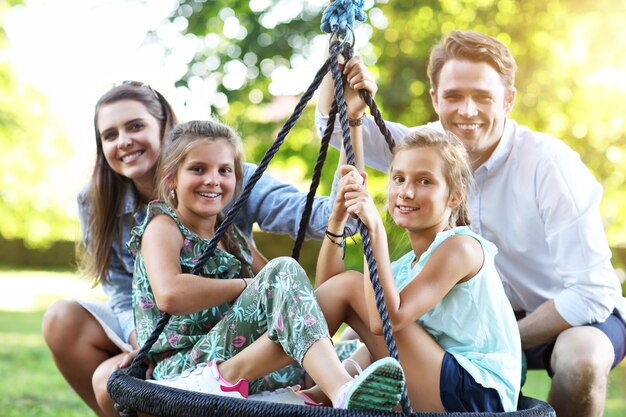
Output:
x=474 y=47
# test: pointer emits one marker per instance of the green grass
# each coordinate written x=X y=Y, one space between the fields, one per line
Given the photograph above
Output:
x=30 y=383
x=32 y=386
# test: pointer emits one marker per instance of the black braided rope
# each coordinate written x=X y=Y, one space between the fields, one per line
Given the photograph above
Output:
x=317 y=174
x=367 y=247
x=145 y=349
x=378 y=118
x=131 y=392
x=230 y=217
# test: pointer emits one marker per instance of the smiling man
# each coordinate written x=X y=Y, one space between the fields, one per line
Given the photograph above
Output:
x=536 y=200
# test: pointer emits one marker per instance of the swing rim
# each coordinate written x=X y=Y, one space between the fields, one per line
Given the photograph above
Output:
x=129 y=391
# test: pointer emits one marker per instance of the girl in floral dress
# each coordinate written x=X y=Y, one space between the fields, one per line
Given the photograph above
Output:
x=243 y=317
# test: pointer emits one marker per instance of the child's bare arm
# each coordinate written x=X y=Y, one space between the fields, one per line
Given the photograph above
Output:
x=174 y=292
x=458 y=259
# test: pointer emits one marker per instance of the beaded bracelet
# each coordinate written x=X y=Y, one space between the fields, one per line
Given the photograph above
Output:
x=342 y=244
x=343 y=235
x=356 y=122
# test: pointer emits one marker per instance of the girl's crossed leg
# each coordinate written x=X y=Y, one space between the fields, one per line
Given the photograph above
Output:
x=342 y=300
x=275 y=321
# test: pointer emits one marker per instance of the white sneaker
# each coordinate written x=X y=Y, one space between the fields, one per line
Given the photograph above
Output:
x=378 y=387
x=351 y=363
x=289 y=395
x=206 y=378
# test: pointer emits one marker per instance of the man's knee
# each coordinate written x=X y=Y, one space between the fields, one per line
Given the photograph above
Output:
x=583 y=356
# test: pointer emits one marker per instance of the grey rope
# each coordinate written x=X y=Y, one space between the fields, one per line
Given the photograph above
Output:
x=134 y=368
x=317 y=174
x=367 y=247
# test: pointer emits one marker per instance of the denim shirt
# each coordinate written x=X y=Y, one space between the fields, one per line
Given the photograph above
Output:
x=275 y=206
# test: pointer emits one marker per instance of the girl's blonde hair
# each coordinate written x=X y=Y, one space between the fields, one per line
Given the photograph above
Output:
x=458 y=171
x=180 y=142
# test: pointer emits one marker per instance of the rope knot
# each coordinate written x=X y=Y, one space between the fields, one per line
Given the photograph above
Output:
x=341 y=13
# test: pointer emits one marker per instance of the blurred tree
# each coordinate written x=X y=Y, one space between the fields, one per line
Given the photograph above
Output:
x=245 y=55
x=247 y=58
x=29 y=140
x=571 y=78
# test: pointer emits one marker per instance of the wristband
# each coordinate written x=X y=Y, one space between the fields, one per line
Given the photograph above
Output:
x=334 y=235
x=341 y=244
x=356 y=122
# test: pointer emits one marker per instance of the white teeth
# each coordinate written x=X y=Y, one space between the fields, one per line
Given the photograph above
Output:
x=472 y=126
x=210 y=195
x=405 y=208
x=131 y=157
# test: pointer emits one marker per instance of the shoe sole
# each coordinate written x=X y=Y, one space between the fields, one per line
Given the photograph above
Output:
x=380 y=387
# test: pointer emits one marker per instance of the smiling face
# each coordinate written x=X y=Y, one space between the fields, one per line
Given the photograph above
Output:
x=205 y=180
x=131 y=140
x=472 y=102
x=418 y=194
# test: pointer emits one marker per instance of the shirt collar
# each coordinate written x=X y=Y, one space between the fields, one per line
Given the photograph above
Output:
x=503 y=149
x=128 y=206
x=129 y=200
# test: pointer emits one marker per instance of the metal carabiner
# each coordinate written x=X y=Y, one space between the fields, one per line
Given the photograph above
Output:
x=342 y=40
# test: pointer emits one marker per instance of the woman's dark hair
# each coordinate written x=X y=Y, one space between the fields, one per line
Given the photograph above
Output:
x=107 y=188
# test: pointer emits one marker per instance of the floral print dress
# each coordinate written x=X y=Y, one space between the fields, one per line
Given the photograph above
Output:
x=279 y=301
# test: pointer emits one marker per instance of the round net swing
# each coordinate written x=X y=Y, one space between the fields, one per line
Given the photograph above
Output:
x=133 y=394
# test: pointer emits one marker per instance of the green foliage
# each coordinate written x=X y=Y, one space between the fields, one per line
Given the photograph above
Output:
x=570 y=82
x=31 y=148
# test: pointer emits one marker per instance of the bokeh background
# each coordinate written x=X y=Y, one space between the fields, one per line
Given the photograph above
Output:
x=247 y=62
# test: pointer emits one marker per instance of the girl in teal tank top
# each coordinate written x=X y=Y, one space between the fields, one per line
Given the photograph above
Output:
x=456 y=333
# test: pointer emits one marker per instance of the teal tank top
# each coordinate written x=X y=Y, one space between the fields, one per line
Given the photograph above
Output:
x=474 y=322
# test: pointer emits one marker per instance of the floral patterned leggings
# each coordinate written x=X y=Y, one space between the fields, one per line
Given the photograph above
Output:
x=280 y=302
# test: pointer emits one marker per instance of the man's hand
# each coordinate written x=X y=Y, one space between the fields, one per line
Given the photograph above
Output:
x=358 y=78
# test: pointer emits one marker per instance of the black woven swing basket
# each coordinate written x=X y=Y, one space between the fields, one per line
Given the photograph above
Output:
x=158 y=400
x=133 y=394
